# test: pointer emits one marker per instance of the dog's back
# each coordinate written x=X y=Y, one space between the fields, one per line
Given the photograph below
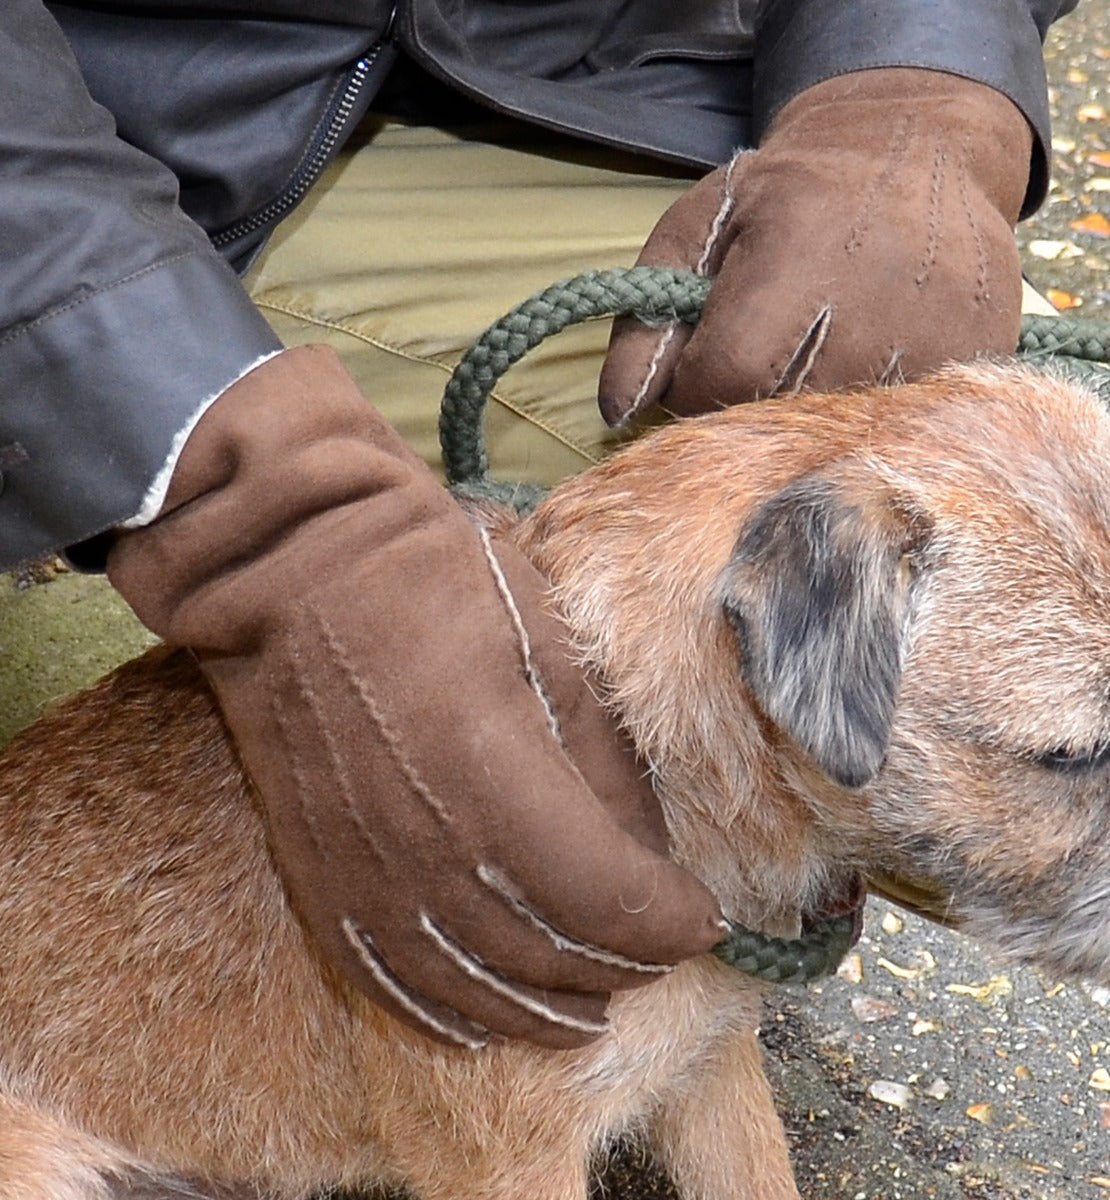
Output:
x=162 y=1010
x=148 y=945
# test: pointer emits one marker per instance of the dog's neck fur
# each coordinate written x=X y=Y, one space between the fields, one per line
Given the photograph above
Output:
x=734 y=820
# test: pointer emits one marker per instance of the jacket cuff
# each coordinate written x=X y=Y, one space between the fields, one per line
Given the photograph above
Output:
x=800 y=43
x=99 y=392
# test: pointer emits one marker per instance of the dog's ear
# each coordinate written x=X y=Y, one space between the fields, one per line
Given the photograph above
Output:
x=818 y=589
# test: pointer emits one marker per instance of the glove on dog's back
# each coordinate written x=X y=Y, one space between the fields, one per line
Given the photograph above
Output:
x=456 y=819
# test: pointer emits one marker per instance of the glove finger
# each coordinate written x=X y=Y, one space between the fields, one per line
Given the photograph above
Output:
x=693 y=234
x=775 y=315
x=770 y=322
x=492 y=795
x=746 y=350
x=638 y=367
x=854 y=310
x=599 y=747
x=457 y=984
x=553 y=894
x=607 y=914
x=434 y=983
x=742 y=352
x=595 y=912
x=600 y=886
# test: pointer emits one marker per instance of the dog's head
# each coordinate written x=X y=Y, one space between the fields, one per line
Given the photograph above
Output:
x=867 y=632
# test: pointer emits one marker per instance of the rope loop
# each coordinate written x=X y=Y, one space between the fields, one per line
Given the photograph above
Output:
x=1079 y=338
x=653 y=295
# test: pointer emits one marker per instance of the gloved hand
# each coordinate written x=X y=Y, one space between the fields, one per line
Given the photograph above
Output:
x=869 y=238
x=454 y=816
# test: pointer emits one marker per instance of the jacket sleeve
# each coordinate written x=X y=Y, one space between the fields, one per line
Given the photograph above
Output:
x=118 y=323
x=800 y=43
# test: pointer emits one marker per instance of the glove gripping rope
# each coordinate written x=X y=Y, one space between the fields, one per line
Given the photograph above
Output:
x=656 y=296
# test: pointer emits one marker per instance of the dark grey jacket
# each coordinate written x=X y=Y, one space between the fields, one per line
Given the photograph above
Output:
x=146 y=144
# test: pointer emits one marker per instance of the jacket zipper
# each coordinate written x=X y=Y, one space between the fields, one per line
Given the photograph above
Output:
x=319 y=154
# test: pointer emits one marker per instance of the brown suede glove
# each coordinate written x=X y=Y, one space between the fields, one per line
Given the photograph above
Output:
x=868 y=239
x=455 y=817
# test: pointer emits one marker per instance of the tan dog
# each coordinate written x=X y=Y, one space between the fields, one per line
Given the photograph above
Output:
x=851 y=634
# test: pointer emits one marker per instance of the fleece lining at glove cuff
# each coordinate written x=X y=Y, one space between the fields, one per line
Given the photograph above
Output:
x=800 y=43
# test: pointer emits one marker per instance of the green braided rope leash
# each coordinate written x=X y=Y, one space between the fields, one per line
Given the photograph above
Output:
x=1080 y=339
x=653 y=295
x=658 y=296
x=817 y=952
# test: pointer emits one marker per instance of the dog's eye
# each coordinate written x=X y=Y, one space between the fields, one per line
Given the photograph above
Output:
x=1068 y=759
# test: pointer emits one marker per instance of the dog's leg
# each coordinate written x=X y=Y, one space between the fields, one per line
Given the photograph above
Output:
x=42 y=1159
x=540 y=1179
x=531 y=1170
x=720 y=1138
